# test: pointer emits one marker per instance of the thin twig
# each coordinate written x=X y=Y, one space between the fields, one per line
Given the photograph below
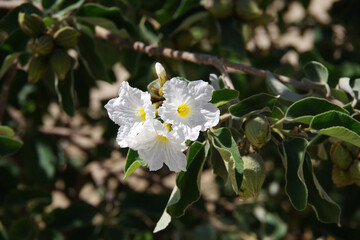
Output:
x=6 y=88
x=165 y=52
x=205 y=59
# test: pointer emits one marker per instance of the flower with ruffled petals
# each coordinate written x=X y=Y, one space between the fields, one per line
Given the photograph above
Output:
x=157 y=145
x=187 y=106
x=129 y=110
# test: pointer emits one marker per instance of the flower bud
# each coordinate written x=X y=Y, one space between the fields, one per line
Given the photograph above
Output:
x=257 y=130
x=60 y=63
x=247 y=9
x=38 y=66
x=44 y=45
x=253 y=176
x=341 y=177
x=161 y=73
x=219 y=8
x=340 y=156
x=355 y=172
x=66 y=37
x=32 y=25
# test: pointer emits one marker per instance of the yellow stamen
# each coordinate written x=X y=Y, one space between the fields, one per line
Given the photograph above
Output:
x=162 y=139
x=168 y=125
x=183 y=110
x=141 y=114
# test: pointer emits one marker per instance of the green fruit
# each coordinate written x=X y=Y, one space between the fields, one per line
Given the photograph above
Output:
x=38 y=66
x=219 y=8
x=253 y=176
x=44 y=45
x=341 y=177
x=257 y=131
x=32 y=25
x=247 y=9
x=355 y=172
x=341 y=156
x=66 y=37
x=60 y=63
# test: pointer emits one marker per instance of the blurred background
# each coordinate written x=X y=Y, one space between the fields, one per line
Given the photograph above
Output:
x=67 y=179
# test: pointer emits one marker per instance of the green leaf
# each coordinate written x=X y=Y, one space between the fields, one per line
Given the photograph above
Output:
x=65 y=92
x=326 y=209
x=46 y=161
x=254 y=104
x=278 y=88
x=305 y=109
x=66 y=6
x=25 y=196
x=113 y=14
x=6 y=131
x=8 y=61
x=187 y=189
x=9 y=146
x=133 y=161
x=338 y=125
x=218 y=165
x=295 y=188
x=184 y=21
x=223 y=96
x=3 y=233
x=316 y=72
x=48 y=4
x=223 y=141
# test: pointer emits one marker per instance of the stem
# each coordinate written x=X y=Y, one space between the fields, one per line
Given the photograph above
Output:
x=204 y=59
x=6 y=88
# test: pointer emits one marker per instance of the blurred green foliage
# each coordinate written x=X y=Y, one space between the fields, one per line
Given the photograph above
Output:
x=62 y=174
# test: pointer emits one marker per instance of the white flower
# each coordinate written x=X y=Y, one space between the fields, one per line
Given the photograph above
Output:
x=160 y=71
x=129 y=110
x=156 y=145
x=187 y=107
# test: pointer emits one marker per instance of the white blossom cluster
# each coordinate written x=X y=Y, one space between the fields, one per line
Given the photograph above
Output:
x=184 y=113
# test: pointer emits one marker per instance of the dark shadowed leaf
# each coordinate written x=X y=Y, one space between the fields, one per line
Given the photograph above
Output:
x=25 y=196
x=294 y=151
x=325 y=208
x=9 y=146
x=187 y=189
x=252 y=105
x=65 y=91
x=77 y=215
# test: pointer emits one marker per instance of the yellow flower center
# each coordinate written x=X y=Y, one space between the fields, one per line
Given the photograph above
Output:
x=141 y=114
x=162 y=139
x=183 y=110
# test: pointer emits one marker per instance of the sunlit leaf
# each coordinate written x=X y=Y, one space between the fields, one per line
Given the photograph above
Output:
x=278 y=88
x=133 y=161
x=305 y=109
x=225 y=144
x=338 y=125
x=223 y=96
